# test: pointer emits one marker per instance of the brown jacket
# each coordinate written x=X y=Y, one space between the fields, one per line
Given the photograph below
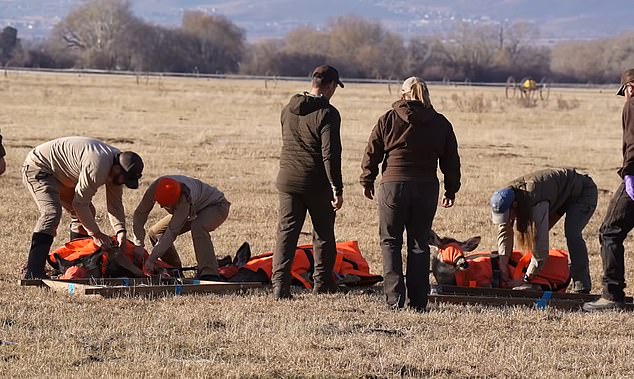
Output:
x=195 y=196
x=311 y=146
x=411 y=141
x=628 y=139
x=557 y=186
x=546 y=193
x=83 y=164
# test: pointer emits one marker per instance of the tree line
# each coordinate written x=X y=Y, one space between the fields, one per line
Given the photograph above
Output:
x=105 y=34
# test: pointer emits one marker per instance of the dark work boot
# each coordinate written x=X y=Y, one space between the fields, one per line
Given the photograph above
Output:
x=40 y=246
x=282 y=292
x=327 y=286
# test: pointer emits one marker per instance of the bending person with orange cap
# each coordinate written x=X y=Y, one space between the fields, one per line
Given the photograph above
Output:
x=193 y=205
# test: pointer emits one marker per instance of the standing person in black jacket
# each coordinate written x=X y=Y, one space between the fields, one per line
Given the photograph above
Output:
x=309 y=179
x=619 y=219
x=410 y=140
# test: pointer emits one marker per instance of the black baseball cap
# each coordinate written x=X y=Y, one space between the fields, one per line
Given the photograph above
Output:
x=132 y=167
x=327 y=73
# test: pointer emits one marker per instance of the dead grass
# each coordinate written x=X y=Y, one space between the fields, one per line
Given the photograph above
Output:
x=227 y=133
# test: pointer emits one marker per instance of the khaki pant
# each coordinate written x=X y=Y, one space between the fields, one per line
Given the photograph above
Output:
x=206 y=221
x=51 y=196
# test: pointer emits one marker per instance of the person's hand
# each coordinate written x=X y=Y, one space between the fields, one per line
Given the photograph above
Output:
x=139 y=254
x=122 y=238
x=149 y=266
x=446 y=202
x=629 y=185
x=337 y=202
x=368 y=192
x=102 y=240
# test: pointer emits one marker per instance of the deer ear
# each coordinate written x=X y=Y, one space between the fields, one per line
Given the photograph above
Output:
x=471 y=243
x=434 y=240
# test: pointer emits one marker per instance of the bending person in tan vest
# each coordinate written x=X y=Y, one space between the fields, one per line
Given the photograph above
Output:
x=193 y=205
x=534 y=203
x=66 y=173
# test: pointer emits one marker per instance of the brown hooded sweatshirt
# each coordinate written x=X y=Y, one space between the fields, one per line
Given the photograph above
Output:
x=311 y=146
x=411 y=140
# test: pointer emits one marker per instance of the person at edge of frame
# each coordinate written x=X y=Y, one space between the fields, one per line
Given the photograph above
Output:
x=619 y=218
x=3 y=153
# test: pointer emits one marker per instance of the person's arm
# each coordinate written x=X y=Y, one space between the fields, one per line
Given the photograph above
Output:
x=176 y=224
x=505 y=248
x=114 y=204
x=84 y=192
x=372 y=158
x=331 y=150
x=449 y=163
x=539 y=213
x=141 y=214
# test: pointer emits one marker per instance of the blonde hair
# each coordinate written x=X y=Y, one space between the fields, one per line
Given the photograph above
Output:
x=526 y=240
x=416 y=89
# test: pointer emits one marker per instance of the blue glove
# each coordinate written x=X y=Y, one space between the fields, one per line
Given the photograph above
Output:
x=629 y=185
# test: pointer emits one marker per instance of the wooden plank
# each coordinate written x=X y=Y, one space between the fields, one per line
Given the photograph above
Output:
x=163 y=290
x=501 y=292
x=507 y=301
x=73 y=289
x=565 y=304
x=106 y=281
x=31 y=282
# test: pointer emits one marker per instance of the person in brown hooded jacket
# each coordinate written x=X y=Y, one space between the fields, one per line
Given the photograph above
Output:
x=310 y=180
x=410 y=140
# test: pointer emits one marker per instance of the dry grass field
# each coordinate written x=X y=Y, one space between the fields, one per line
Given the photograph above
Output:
x=227 y=133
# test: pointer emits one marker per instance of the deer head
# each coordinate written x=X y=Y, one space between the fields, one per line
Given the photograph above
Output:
x=448 y=256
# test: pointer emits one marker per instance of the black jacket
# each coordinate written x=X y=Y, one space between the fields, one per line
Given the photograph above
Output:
x=628 y=138
x=311 y=146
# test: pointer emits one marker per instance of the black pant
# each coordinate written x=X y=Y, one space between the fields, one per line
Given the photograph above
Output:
x=406 y=206
x=292 y=213
x=618 y=222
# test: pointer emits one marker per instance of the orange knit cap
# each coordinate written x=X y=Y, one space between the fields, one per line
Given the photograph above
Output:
x=168 y=191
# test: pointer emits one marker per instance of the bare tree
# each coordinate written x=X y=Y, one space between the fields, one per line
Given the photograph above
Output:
x=472 y=49
x=9 y=44
x=96 y=29
x=220 y=42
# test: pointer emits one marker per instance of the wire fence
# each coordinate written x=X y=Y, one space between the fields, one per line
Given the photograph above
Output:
x=267 y=78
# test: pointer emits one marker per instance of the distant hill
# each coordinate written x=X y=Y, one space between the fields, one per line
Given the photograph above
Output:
x=557 y=19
